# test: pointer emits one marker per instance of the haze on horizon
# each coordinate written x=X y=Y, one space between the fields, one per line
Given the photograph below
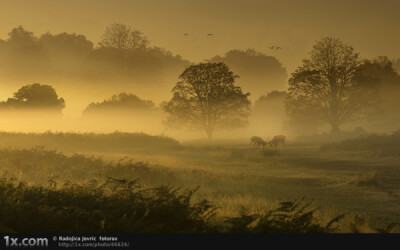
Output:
x=370 y=26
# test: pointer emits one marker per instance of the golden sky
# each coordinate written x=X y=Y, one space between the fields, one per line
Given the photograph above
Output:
x=370 y=26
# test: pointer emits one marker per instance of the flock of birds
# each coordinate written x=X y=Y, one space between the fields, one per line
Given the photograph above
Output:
x=271 y=47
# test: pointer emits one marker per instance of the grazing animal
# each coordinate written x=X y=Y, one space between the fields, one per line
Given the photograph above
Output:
x=210 y=34
x=279 y=139
x=186 y=34
x=258 y=142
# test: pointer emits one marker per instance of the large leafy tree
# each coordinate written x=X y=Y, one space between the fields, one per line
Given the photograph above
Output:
x=325 y=88
x=35 y=96
x=206 y=98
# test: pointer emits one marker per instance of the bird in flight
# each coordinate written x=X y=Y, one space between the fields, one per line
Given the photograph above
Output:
x=210 y=34
x=186 y=34
x=275 y=47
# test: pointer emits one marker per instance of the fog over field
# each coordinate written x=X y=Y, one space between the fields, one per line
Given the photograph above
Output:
x=216 y=116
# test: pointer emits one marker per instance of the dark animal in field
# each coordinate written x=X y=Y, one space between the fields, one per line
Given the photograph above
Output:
x=277 y=140
x=257 y=141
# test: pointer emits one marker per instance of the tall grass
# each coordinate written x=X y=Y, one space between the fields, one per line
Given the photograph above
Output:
x=381 y=145
x=81 y=193
x=88 y=142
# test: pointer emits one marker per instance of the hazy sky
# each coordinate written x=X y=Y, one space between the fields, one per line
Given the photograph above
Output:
x=371 y=27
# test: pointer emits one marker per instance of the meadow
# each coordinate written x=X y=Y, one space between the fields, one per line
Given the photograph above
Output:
x=195 y=186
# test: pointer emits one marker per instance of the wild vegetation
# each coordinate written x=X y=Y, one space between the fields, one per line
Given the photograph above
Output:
x=78 y=193
x=373 y=144
x=322 y=137
x=89 y=142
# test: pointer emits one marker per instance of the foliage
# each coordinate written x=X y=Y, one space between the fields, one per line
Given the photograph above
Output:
x=89 y=142
x=324 y=88
x=121 y=102
x=35 y=96
x=381 y=76
x=382 y=145
x=269 y=113
x=121 y=37
x=107 y=206
x=289 y=217
x=260 y=73
x=86 y=194
x=123 y=55
x=65 y=44
x=206 y=98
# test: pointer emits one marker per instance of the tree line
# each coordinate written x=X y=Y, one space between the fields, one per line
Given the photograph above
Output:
x=332 y=86
x=123 y=55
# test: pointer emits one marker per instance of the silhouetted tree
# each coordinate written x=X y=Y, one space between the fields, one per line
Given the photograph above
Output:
x=383 y=80
x=121 y=102
x=324 y=87
x=260 y=73
x=71 y=56
x=377 y=73
x=206 y=98
x=123 y=38
x=66 y=43
x=35 y=96
x=273 y=102
x=19 y=37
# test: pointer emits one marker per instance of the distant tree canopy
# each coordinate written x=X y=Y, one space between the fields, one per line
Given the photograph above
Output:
x=122 y=102
x=381 y=77
x=19 y=38
x=378 y=73
x=123 y=38
x=326 y=87
x=259 y=73
x=270 y=102
x=66 y=43
x=123 y=55
x=269 y=113
x=206 y=98
x=35 y=96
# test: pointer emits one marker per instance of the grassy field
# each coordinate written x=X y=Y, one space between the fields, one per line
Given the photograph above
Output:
x=231 y=175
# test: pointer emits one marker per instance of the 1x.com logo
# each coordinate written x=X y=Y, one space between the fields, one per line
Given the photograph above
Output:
x=26 y=242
